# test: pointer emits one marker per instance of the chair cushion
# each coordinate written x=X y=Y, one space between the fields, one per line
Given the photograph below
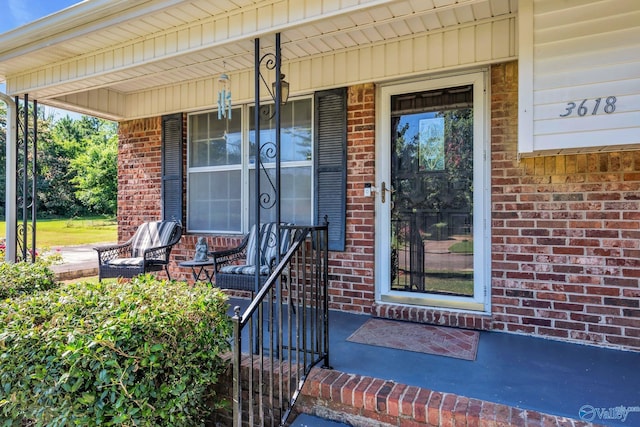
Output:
x=244 y=269
x=270 y=252
x=268 y=243
x=251 y=245
x=137 y=261
x=151 y=235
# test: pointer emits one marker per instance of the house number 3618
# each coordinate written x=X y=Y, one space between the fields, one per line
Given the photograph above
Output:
x=592 y=107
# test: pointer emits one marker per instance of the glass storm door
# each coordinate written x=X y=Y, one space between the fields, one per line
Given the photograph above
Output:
x=432 y=185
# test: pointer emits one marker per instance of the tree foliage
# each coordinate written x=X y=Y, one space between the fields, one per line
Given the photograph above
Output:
x=95 y=170
x=76 y=165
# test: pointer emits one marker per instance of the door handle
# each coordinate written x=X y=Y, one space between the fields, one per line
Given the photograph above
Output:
x=383 y=191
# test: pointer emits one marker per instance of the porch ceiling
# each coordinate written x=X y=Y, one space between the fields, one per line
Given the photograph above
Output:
x=130 y=46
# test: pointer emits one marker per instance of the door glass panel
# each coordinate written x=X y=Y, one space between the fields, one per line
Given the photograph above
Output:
x=432 y=198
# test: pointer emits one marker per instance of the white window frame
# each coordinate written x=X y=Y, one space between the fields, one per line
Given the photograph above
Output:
x=245 y=168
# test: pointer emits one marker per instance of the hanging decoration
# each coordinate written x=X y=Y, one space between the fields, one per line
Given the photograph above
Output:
x=224 y=97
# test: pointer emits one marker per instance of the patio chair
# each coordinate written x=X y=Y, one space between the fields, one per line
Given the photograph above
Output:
x=235 y=268
x=148 y=250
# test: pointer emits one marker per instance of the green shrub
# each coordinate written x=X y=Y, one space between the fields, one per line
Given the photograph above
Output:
x=143 y=353
x=25 y=278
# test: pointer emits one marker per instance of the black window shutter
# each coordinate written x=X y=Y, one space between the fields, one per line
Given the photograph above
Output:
x=331 y=163
x=172 y=167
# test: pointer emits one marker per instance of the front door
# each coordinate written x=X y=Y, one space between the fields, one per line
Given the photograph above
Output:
x=432 y=194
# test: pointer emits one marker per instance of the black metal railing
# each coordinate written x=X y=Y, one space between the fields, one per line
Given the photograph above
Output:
x=283 y=333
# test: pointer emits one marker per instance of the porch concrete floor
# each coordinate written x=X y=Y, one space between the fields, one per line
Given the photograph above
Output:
x=530 y=373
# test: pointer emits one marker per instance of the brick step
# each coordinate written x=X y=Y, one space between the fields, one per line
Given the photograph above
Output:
x=363 y=401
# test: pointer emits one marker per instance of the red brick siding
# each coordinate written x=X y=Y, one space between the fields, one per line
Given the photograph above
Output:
x=566 y=236
x=139 y=174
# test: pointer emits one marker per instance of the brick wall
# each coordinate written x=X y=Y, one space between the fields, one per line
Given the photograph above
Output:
x=566 y=236
x=565 y=229
x=139 y=174
x=352 y=271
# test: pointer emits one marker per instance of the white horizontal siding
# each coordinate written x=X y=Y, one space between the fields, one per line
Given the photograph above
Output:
x=582 y=51
x=483 y=43
x=110 y=104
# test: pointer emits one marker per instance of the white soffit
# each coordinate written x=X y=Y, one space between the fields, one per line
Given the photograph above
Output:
x=128 y=46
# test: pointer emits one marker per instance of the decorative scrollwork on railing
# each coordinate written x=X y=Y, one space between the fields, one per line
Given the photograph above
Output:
x=21 y=236
x=267 y=152
x=267 y=113
x=267 y=201
x=269 y=62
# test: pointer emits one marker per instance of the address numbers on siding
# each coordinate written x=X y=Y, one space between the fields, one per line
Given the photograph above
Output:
x=591 y=107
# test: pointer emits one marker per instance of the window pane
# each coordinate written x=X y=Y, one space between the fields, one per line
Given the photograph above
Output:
x=296 y=137
x=295 y=202
x=214 y=201
x=215 y=142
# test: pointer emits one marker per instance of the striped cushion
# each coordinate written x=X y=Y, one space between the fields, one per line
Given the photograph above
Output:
x=137 y=261
x=244 y=269
x=151 y=235
x=267 y=247
x=270 y=252
x=268 y=243
x=251 y=246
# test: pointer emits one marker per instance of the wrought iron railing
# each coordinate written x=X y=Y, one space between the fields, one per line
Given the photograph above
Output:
x=283 y=333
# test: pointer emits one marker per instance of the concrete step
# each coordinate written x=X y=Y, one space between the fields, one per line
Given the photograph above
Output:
x=77 y=261
x=305 y=420
x=76 y=272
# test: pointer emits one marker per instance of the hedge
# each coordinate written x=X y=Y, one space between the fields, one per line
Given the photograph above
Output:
x=139 y=353
x=25 y=278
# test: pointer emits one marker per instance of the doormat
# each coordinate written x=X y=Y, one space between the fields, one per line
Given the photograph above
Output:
x=418 y=337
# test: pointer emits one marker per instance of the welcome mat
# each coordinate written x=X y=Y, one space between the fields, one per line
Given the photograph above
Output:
x=418 y=337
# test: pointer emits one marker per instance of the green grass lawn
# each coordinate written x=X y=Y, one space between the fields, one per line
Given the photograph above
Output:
x=69 y=232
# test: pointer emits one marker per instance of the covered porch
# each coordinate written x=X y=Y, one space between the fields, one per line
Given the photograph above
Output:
x=514 y=380
x=549 y=262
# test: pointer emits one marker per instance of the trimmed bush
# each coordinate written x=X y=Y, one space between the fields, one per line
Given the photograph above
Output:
x=25 y=278
x=143 y=353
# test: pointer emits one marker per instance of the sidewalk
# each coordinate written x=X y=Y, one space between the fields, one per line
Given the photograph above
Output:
x=77 y=261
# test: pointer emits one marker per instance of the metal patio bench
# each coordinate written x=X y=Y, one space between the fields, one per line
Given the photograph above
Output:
x=235 y=268
x=147 y=251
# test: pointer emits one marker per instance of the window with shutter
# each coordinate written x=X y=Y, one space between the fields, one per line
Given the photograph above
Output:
x=172 y=167
x=221 y=166
x=331 y=163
